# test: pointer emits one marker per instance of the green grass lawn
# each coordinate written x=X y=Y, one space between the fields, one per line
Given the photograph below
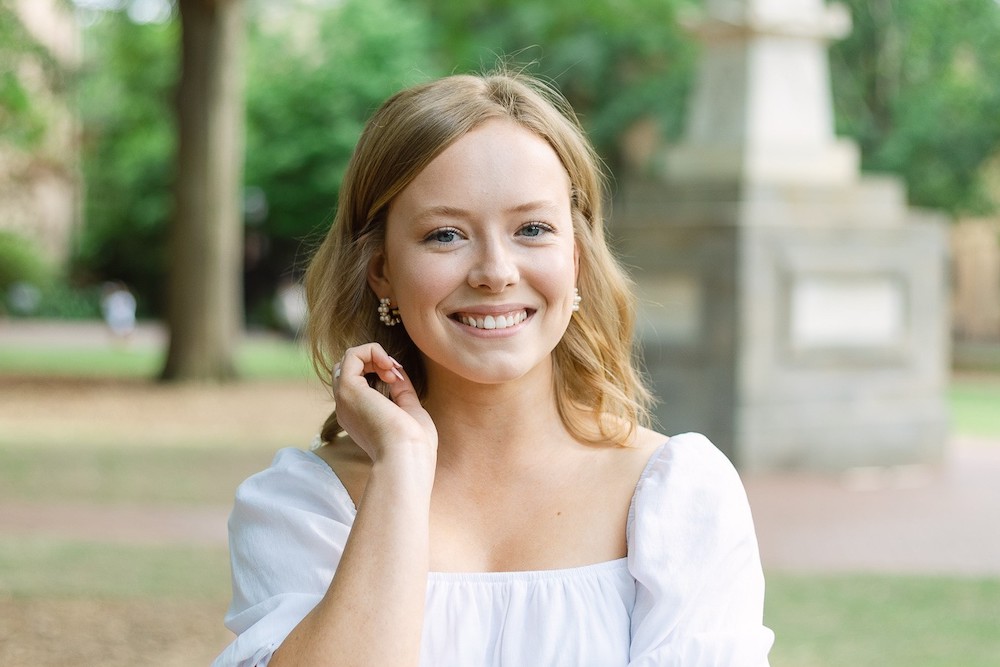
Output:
x=45 y=567
x=257 y=358
x=975 y=405
x=883 y=621
x=161 y=475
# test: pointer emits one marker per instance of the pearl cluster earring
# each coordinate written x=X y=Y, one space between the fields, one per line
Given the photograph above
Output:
x=576 y=299
x=388 y=315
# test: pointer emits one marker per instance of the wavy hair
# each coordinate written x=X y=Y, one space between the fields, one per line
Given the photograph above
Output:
x=601 y=395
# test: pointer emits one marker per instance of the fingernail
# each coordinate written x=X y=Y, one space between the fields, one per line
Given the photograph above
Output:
x=396 y=372
x=396 y=363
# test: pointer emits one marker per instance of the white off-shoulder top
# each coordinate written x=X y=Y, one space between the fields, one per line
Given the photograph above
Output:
x=689 y=593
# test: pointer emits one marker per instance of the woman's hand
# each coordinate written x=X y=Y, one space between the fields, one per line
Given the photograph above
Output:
x=382 y=427
x=372 y=614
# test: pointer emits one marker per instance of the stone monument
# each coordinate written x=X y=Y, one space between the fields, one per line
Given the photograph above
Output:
x=791 y=308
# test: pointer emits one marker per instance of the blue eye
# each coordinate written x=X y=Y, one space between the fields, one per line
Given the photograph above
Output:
x=534 y=229
x=443 y=235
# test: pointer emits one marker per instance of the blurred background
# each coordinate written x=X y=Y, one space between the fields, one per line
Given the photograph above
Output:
x=129 y=411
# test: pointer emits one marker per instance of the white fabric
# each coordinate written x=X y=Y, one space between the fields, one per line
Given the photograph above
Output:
x=689 y=594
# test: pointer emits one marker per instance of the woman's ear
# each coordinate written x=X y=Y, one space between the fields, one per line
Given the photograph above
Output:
x=378 y=277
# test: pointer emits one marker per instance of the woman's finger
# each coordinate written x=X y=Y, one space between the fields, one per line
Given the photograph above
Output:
x=365 y=359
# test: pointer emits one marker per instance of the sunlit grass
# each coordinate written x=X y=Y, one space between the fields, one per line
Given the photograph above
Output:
x=71 y=361
x=883 y=621
x=175 y=475
x=257 y=358
x=975 y=405
x=43 y=567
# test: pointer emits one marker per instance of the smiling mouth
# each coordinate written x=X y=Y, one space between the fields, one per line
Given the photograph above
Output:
x=503 y=321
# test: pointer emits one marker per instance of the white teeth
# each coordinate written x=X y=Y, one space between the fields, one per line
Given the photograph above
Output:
x=494 y=322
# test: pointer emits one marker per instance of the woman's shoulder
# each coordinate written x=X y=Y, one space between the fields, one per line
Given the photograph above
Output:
x=686 y=478
x=289 y=466
x=297 y=479
x=691 y=455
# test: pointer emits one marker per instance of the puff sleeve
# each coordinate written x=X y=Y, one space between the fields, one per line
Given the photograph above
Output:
x=287 y=532
x=693 y=553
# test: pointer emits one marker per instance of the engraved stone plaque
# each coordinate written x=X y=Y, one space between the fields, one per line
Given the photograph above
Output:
x=846 y=312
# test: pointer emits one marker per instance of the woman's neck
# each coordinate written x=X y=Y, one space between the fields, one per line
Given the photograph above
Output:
x=514 y=423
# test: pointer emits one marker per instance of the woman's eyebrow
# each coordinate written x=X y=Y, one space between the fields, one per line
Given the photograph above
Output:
x=446 y=211
x=537 y=205
x=442 y=211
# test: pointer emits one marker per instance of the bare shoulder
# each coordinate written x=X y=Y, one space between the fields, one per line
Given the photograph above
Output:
x=647 y=440
x=350 y=463
x=644 y=444
x=629 y=461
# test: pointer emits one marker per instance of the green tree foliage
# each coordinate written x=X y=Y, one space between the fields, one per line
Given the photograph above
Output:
x=23 y=121
x=918 y=85
x=617 y=61
x=312 y=81
x=126 y=104
x=310 y=88
x=21 y=261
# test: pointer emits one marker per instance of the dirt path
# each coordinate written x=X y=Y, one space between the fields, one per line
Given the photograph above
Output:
x=917 y=520
x=95 y=412
x=121 y=524
x=111 y=633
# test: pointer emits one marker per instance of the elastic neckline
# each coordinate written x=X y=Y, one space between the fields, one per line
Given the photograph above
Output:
x=510 y=576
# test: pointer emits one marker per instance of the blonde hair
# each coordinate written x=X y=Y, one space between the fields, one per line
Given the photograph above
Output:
x=600 y=394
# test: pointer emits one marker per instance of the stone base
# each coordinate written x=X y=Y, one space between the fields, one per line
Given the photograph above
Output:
x=829 y=434
x=792 y=339
x=828 y=165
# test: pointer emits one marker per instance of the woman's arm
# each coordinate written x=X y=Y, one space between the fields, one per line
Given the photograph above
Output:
x=372 y=613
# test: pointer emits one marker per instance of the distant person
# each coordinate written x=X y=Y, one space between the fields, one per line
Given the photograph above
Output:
x=487 y=493
x=118 y=308
x=290 y=306
x=23 y=298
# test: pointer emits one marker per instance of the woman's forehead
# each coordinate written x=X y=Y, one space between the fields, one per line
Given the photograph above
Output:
x=499 y=164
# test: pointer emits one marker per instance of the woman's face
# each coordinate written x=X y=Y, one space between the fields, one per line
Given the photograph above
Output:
x=480 y=256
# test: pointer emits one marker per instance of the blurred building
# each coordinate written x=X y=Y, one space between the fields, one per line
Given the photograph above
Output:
x=40 y=185
x=975 y=247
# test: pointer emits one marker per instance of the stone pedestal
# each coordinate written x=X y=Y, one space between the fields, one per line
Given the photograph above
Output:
x=762 y=108
x=798 y=328
x=791 y=310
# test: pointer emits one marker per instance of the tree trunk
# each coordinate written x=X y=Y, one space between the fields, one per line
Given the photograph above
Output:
x=204 y=302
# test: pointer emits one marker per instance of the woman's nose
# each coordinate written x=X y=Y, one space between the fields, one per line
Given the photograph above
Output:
x=495 y=267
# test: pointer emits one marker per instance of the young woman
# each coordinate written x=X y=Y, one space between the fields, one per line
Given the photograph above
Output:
x=486 y=492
